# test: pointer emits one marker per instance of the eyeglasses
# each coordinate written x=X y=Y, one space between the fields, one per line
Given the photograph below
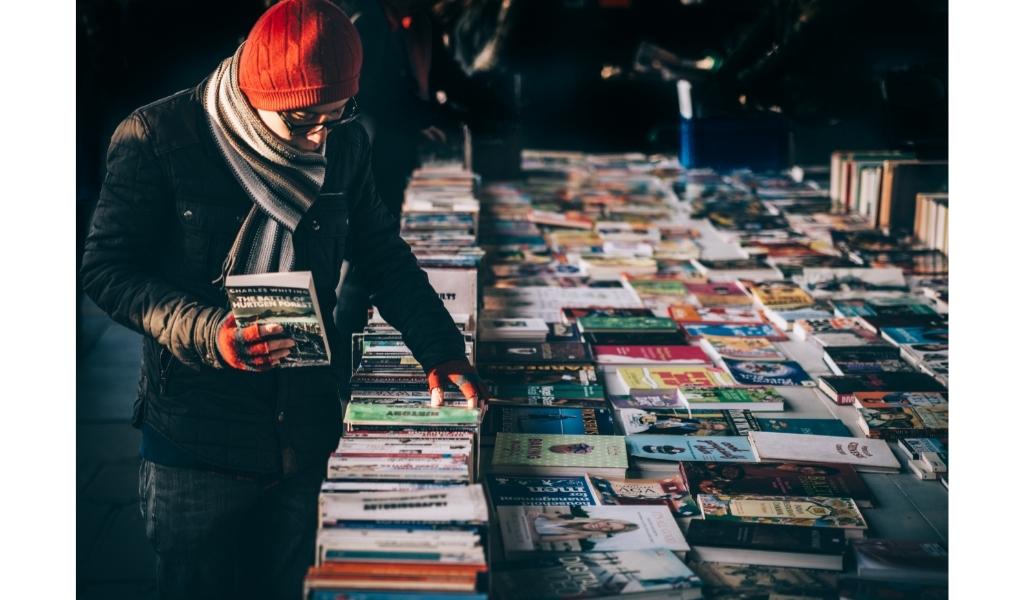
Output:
x=348 y=114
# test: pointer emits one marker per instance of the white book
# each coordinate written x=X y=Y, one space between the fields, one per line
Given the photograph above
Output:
x=527 y=529
x=464 y=505
x=865 y=454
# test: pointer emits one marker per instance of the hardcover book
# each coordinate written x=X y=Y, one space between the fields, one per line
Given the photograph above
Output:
x=636 y=338
x=506 y=490
x=777 y=479
x=803 y=511
x=287 y=299
x=559 y=455
x=644 y=573
x=761 y=373
x=530 y=529
x=511 y=352
x=833 y=427
x=625 y=324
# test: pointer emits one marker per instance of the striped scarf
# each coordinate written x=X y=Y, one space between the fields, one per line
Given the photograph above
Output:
x=282 y=181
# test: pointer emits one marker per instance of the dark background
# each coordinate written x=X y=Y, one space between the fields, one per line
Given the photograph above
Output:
x=834 y=73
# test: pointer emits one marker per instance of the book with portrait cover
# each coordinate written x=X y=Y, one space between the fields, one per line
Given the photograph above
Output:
x=289 y=300
x=670 y=490
x=777 y=479
x=768 y=373
x=675 y=421
x=646 y=573
x=531 y=529
x=803 y=511
x=507 y=490
x=559 y=454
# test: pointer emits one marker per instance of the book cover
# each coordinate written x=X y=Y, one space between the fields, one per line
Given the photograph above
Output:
x=635 y=338
x=856 y=360
x=842 y=388
x=506 y=490
x=374 y=414
x=623 y=324
x=670 y=378
x=547 y=419
x=771 y=538
x=572 y=314
x=761 y=373
x=760 y=581
x=674 y=421
x=540 y=373
x=719 y=294
x=670 y=491
x=514 y=353
x=916 y=335
x=803 y=511
x=741 y=348
x=864 y=453
x=528 y=529
x=833 y=427
x=289 y=300
x=781 y=294
x=914 y=448
x=891 y=399
x=763 y=330
x=642 y=355
x=595 y=575
x=777 y=479
x=732 y=398
x=736 y=314
x=894 y=560
x=458 y=504
x=530 y=392
x=558 y=450
x=687 y=448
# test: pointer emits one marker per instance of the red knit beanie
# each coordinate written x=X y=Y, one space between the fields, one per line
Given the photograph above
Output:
x=300 y=53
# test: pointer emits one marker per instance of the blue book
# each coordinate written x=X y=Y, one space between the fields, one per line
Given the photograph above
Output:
x=504 y=490
x=673 y=449
x=763 y=372
x=833 y=427
x=764 y=330
x=548 y=419
x=916 y=335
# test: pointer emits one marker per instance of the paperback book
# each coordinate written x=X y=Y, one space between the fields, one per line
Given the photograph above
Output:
x=559 y=455
x=671 y=378
x=531 y=529
x=547 y=419
x=777 y=479
x=670 y=490
x=731 y=398
x=762 y=373
x=803 y=511
x=662 y=452
x=865 y=454
x=287 y=299
x=773 y=545
x=674 y=421
x=506 y=490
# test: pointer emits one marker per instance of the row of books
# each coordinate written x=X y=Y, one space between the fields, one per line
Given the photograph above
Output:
x=646 y=331
x=401 y=512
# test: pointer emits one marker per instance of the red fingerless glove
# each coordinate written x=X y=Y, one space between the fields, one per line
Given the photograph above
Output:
x=463 y=375
x=249 y=348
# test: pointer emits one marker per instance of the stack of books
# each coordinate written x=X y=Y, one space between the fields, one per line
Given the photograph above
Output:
x=691 y=374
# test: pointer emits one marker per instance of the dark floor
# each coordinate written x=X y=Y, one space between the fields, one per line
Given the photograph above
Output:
x=114 y=558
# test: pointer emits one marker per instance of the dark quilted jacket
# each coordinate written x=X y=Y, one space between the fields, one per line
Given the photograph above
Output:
x=167 y=214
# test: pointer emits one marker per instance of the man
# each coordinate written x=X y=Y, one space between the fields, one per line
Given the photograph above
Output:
x=257 y=169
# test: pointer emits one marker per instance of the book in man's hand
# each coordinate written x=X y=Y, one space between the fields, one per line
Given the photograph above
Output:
x=287 y=299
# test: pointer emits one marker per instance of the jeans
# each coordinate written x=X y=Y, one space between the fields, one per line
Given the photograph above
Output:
x=224 y=536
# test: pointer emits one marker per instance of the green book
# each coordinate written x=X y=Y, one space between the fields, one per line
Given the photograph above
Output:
x=382 y=414
x=615 y=324
x=732 y=398
x=559 y=455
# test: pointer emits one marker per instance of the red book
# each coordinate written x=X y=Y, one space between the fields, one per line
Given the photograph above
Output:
x=650 y=355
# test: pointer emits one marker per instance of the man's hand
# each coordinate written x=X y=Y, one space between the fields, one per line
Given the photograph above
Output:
x=462 y=374
x=253 y=348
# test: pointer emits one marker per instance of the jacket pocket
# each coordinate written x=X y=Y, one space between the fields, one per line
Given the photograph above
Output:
x=208 y=233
